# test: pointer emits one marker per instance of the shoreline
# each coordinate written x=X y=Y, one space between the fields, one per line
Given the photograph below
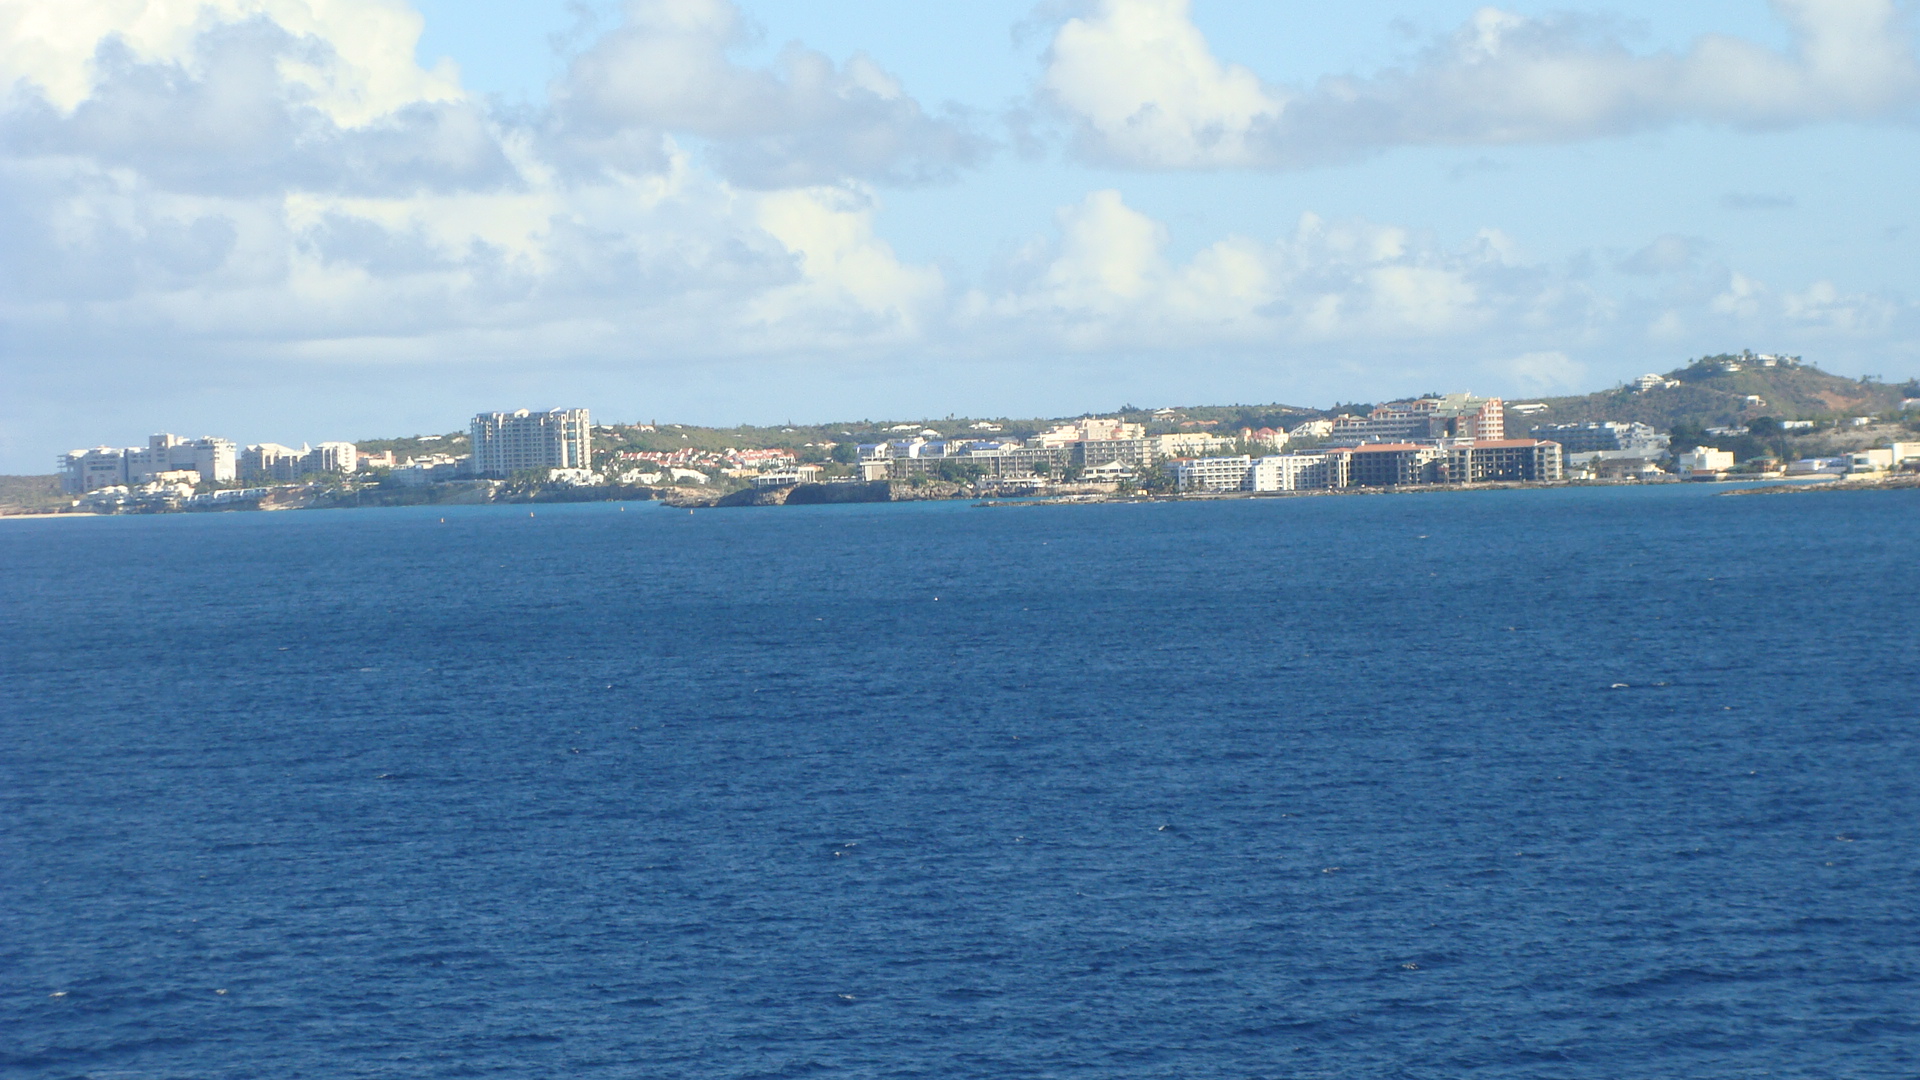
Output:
x=872 y=493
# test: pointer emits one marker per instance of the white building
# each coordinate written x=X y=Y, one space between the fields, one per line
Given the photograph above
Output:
x=799 y=474
x=1213 y=474
x=88 y=470
x=430 y=469
x=1870 y=461
x=1189 y=444
x=1817 y=467
x=505 y=443
x=1289 y=472
x=1704 y=459
x=272 y=461
x=1091 y=429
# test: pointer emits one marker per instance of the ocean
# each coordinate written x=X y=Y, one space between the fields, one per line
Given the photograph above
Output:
x=1524 y=784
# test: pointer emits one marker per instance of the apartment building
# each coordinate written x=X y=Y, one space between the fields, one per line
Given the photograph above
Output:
x=1214 y=473
x=1453 y=416
x=1492 y=460
x=1293 y=472
x=213 y=459
x=505 y=443
x=272 y=461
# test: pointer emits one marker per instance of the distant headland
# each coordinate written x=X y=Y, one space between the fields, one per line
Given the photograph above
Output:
x=1728 y=416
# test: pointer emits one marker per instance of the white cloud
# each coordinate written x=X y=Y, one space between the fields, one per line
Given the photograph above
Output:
x=1548 y=373
x=1107 y=281
x=366 y=71
x=1150 y=92
x=1142 y=87
x=805 y=121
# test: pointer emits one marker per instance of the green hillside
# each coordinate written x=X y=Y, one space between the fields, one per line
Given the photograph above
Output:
x=19 y=493
x=1709 y=394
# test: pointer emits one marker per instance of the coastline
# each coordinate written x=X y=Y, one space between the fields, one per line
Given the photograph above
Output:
x=1081 y=495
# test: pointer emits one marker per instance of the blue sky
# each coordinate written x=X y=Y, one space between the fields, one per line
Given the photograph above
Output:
x=292 y=220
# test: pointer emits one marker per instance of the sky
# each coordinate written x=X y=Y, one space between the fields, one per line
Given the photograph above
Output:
x=297 y=220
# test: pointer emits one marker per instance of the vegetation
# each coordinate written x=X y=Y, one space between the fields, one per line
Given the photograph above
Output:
x=1708 y=395
x=31 y=493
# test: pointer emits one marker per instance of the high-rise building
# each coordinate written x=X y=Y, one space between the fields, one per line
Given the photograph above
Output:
x=505 y=443
x=271 y=461
x=1454 y=416
x=104 y=466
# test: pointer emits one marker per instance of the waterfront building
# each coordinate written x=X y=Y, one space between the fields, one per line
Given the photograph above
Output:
x=1213 y=474
x=1871 y=461
x=1491 y=460
x=505 y=443
x=213 y=459
x=1292 y=472
x=102 y=467
x=1093 y=453
x=799 y=474
x=1389 y=464
x=1704 y=461
x=1831 y=466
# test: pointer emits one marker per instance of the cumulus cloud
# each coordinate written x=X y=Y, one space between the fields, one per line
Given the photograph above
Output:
x=1141 y=87
x=804 y=121
x=1106 y=279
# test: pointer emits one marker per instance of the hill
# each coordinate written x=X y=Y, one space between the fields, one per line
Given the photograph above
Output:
x=1722 y=391
x=31 y=493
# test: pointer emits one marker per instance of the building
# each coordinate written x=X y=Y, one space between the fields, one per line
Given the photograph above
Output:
x=1494 y=460
x=1454 y=416
x=1830 y=466
x=1092 y=453
x=1640 y=440
x=431 y=469
x=1213 y=474
x=1650 y=382
x=82 y=471
x=1389 y=464
x=1188 y=444
x=506 y=443
x=271 y=461
x=1704 y=462
x=1871 y=461
x=213 y=459
x=1293 y=472
x=799 y=474
x=1091 y=429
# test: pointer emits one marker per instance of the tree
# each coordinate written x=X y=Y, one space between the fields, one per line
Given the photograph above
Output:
x=846 y=453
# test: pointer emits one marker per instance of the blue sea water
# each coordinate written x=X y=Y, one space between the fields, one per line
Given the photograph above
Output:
x=1547 y=784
